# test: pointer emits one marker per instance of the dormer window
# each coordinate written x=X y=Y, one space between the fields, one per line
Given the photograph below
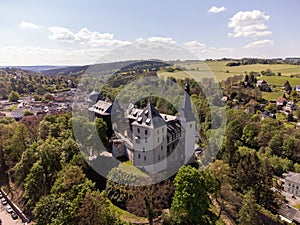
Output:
x=139 y=120
x=148 y=121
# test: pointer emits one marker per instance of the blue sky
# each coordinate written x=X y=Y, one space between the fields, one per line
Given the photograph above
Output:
x=52 y=32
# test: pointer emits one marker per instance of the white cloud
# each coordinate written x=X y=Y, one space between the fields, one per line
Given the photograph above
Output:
x=259 y=44
x=85 y=37
x=162 y=39
x=215 y=9
x=249 y=24
x=62 y=34
x=194 y=44
x=27 y=25
x=139 y=39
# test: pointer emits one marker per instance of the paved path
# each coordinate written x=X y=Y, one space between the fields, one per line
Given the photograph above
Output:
x=6 y=218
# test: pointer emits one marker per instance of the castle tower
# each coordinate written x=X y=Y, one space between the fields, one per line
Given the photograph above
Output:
x=149 y=140
x=188 y=124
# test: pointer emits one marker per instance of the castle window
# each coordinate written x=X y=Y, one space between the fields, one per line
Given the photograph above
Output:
x=145 y=140
x=143 y=149
x=157 y=131
x=139 y=155
x=137 y=139
x=158 y=157
x=161 y=147
x=157 y=140
x=163 y=129
x=146 y=132
x=191 y=125
x=138 y=130
x=144 y=158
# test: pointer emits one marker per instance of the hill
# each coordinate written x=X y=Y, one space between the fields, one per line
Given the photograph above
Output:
x=78 y=70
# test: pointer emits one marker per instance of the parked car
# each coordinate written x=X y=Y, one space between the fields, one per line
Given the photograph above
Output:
x=14 y=215
x=9 y=209
x=3 y=201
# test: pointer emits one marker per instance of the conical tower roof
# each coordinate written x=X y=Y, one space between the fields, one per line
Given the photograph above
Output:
x=186 y=113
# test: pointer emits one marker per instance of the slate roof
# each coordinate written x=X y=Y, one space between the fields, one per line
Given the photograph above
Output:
x=94 y=96
x=293 y=177
x=186 y=113
x=289 y=212
x=102 y=108
x=149 y=117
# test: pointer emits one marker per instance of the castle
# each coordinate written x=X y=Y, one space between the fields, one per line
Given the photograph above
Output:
x=151 y=140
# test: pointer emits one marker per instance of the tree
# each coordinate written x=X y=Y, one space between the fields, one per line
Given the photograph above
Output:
x=247 y=170
x=221 y=171
x=101 y=127
x=13 y=96
x=288 y=147
x=95 y=210
x=290 y=117
x=22 y=168
x=18 y=143
x=249 y=214
x=233 y=131
x=70 y=187
x=287 y=87
x=250 y=133
x=276 y=144
x=190 y=201
x=35 y=184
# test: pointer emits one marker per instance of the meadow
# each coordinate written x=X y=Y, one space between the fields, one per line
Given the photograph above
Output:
x=221 y=71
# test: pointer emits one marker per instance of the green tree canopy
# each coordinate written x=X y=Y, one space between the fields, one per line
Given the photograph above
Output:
x=190 y=200
x=13 y=96
x=248 y=214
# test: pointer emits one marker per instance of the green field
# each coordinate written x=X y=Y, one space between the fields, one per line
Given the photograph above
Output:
x=221 y=71
x=279 y=81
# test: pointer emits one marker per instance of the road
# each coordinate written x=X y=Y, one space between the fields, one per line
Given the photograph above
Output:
x=6 y=218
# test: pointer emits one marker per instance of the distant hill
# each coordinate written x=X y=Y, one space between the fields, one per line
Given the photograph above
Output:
x=35 y=68
x=77 y=70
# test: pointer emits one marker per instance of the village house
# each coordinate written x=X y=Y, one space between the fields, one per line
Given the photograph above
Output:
x=260 y=83
x=297 y=88
x=292 y=183
x=281 y=102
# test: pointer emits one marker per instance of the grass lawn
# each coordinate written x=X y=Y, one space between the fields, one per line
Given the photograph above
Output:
x=272 y=95
x=128 y=167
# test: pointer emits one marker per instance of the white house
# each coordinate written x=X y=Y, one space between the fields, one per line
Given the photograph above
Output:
x=292 y=183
